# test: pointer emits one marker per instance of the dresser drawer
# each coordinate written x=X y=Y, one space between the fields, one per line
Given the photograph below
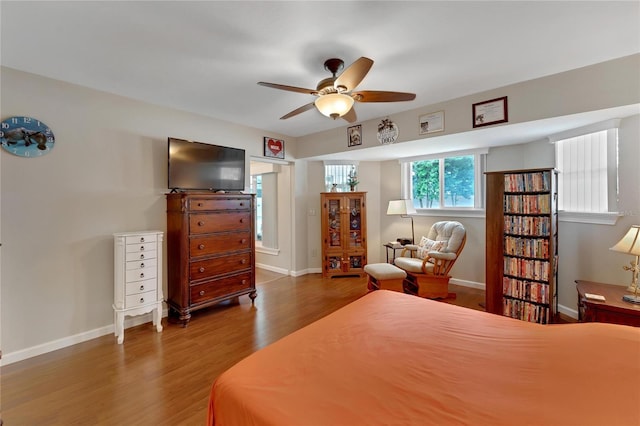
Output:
x=203 y=269
x=141 y=264
x=140 y=274
x=141 y=255
x=221 y=243
x=206 y=223
x=140 y=299
x=200 y=204
x=141 y=247
x=137 y=287
x=220 y=287
x=138 y=239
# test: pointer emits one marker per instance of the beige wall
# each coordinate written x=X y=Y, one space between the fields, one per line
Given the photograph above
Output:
x=107 y=173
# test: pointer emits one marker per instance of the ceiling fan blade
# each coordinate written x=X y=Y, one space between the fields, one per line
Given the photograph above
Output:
x=353 y=75
x=351 y=116
x=297 y=111
x=381 y=96
x=288 y=88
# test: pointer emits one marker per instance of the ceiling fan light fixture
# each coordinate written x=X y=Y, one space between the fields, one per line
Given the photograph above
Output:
x=334 y=105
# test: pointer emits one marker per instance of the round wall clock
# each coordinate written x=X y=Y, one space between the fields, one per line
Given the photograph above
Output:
x=26 y=137
x=387 y=131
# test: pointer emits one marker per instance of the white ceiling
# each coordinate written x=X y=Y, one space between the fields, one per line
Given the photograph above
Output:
x=207 y=56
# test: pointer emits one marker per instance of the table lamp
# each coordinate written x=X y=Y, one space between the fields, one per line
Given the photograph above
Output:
x=404 y=208
x=630 y=244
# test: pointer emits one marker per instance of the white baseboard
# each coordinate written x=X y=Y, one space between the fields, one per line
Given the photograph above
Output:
x=568 y=311
x=273 y=269
x=11 y=357
x=54 y=345
x=471 y=284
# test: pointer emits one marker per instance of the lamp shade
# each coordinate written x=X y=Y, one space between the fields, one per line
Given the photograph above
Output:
x=401 y=207
x=630 y=243
x=334 y=105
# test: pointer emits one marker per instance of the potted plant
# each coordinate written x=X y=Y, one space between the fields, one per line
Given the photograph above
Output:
x=353 y=180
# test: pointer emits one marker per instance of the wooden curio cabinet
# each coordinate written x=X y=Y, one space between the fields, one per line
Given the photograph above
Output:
x=344 y=233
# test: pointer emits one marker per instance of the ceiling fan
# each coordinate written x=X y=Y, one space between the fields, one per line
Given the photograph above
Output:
x=335 y=94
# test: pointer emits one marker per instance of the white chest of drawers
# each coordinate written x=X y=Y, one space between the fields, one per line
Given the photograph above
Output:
x=137 y=277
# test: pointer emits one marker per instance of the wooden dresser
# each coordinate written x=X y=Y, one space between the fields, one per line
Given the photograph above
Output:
x=210 y=250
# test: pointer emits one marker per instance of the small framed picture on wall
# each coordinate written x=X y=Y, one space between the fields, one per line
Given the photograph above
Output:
x=273 y=148
x=490 y=112
x=432 y=122
x=354 y=134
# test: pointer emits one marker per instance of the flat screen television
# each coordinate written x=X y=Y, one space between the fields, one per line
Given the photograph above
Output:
x=202 y=166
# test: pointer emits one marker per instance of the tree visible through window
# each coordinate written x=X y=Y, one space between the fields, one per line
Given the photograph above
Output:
x=444 y=182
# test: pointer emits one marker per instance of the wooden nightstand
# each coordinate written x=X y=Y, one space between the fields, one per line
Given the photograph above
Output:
x=613 y=310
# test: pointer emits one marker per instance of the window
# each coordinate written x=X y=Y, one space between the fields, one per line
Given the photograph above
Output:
x=444 y=182
x=337 y=173
x=588 y=165
x=256 y=187
x=264 y=183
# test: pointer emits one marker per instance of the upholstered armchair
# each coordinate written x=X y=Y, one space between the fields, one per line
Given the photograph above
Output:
x=428 y=264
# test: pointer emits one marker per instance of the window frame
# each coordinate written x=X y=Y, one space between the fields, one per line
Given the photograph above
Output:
x=351 y=164
x=479 y=183
x=601 y=218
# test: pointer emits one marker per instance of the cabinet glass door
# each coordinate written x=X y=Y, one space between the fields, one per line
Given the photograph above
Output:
x=335 y=229
x=355 y=222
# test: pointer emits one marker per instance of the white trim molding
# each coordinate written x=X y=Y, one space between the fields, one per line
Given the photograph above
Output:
x=595 y=218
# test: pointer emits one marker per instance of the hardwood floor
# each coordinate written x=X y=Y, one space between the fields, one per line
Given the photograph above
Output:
x=165 y=378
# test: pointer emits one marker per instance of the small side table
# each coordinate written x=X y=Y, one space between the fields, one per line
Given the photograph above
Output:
x=393 y=249
x=612 y=310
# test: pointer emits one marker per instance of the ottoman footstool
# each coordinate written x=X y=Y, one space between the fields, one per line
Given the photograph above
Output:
x=384 y=275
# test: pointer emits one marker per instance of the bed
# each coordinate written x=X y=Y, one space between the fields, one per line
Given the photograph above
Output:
x=392 y=358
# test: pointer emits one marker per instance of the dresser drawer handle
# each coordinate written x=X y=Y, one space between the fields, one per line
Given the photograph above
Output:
x=199 y=204
x=141 y=274
x=244 y=282
x=142 y=265
x=242 y=220
x=141 y=287
x=201 y=292
x=200 y=223
x=142 y=300
x=201 y=246
x=201 y=269
x=142 y=239
x=243 y=261
x=243 y=241
x=141 y=248
x=241 y=204
x=142 y=256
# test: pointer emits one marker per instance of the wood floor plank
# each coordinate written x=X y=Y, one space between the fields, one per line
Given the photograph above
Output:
x=165 y=378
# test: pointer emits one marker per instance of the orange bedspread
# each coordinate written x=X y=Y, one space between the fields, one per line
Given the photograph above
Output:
x=389 y=358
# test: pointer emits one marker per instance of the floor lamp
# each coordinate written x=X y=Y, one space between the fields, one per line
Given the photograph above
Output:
x=403 y=208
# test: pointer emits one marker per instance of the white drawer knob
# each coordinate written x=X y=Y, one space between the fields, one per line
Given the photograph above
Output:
x=201 y=246
x=142 y=300
x=201 y=292
x=142 y=265
x=142 y=239
x=201 y=269
x=142 y=256
x=141 y=287
x=141 y=248
x=141 y=274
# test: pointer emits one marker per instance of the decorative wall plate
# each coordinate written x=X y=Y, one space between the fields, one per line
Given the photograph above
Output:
x=26 y=136
x=387 y=131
